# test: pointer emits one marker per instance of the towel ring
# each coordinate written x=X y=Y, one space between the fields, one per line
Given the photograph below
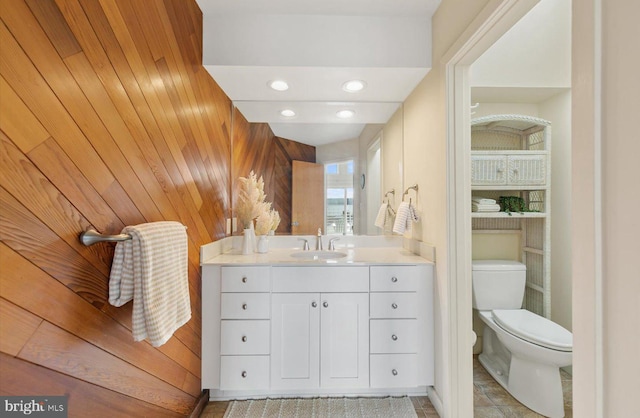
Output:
x=414 y=187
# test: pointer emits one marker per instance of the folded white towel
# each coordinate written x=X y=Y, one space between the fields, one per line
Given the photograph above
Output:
x=382 y=214
x=485 y=208
x=483 y=200
x=151 y=268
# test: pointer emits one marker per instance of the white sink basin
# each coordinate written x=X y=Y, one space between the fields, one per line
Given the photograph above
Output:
x=318 y=255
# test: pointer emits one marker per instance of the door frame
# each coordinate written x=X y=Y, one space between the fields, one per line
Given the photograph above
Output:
x=495 y=19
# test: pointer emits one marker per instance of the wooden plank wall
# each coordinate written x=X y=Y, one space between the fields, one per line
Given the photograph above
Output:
x=107 y=119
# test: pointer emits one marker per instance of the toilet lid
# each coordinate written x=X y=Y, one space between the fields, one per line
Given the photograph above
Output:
x=534 y=328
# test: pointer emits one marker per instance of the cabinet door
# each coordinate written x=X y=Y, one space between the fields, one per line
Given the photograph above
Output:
x=527 y=170
x=295 y=340
x=344 y=339
x=488 y=170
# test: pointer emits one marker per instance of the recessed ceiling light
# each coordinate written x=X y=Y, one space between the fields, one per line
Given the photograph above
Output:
x=279 y=85
x=353 y=86
x=287 y=113
x=345 y=113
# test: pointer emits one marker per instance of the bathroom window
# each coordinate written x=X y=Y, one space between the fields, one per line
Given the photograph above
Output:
x=339 y=198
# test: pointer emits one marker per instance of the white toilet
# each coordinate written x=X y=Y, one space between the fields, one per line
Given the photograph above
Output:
x=521 y=350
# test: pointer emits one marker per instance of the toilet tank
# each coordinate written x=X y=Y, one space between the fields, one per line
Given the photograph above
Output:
x=498 y=284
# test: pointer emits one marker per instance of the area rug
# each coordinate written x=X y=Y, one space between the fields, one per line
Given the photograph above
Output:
x=400 y=407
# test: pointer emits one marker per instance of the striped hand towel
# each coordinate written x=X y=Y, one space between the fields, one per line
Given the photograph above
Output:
x=151 y=268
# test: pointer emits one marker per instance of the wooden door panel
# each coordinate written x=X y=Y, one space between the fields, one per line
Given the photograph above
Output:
x=307 y=201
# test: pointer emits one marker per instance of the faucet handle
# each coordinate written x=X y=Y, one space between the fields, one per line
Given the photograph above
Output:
x=332 y=246
x=305 y=246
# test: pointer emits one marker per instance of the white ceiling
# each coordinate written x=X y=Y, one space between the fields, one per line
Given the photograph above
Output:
x=316 y=46
x=531 y=62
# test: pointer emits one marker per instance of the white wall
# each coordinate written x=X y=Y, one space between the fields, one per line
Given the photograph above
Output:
x=605 y=150
x=557 y=110
x=392 y=167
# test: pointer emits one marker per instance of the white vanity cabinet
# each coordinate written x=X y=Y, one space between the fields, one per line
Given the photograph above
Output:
x=244 y=327
x=296 y=329
x=320 y=338
x=395 y=334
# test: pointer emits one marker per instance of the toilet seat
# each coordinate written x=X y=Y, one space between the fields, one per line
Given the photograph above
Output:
x=534 y=329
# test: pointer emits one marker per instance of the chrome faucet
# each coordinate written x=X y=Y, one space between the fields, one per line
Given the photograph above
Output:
x=332 y=246
x=319 y=240
x=305 y=247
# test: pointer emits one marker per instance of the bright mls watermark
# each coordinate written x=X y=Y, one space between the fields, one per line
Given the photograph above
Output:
x=34 y=406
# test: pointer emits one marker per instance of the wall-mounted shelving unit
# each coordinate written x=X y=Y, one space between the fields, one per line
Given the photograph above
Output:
x=511 y=156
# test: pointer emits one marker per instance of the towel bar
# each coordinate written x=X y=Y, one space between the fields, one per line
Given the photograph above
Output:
x=91 y=236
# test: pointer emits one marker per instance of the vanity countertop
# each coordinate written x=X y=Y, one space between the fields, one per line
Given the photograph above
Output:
x=355 y=256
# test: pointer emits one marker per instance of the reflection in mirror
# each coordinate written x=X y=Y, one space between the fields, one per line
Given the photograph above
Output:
x=339 y=215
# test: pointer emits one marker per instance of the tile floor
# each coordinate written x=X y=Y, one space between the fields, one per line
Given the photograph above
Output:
x=489 y=399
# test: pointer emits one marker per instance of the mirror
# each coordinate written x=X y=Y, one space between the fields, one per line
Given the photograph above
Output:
x=377 y=169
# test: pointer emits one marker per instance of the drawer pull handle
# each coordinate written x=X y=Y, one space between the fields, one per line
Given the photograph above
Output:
x=394 y=279
x=325 y=304
x=394 y=337
x=244 y=279
x=394 y=305
x=314 y=304
x=244 y=306
x=394 y=372
x=244 y=338
x=243 y=374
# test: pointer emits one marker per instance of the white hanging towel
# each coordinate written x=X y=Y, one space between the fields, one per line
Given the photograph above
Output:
x=405 y=215
x=402 y=223
x=381 y=217
x=151 y=268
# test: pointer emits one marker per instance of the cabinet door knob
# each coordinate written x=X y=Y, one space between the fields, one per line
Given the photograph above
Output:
x=394 y=279
x=244 y=306
x=394 y=372
x=325 y=304
x=244 y=338
x=243 y=374
x=394 y=305
x=314 y=304
x=244 y=279
x=394 y=337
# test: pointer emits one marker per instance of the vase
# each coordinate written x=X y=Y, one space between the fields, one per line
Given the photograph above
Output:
x=248 y=241
x=263 y=244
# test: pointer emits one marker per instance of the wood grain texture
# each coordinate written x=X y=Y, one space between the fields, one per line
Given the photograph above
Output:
x=84 y=399
x=287 y=151
x=107 y=119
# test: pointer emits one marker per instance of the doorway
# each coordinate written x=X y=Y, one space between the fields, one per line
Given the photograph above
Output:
x=339 y=215
x=372 y=184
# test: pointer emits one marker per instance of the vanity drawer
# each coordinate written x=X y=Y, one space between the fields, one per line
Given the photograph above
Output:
x=320 y=279
x=246 y=279
x=245 y=306
x=244 y=372
x=394 y=278
x=244 y=337
x=393 y=305
x=394 y=336
x=393 y=370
